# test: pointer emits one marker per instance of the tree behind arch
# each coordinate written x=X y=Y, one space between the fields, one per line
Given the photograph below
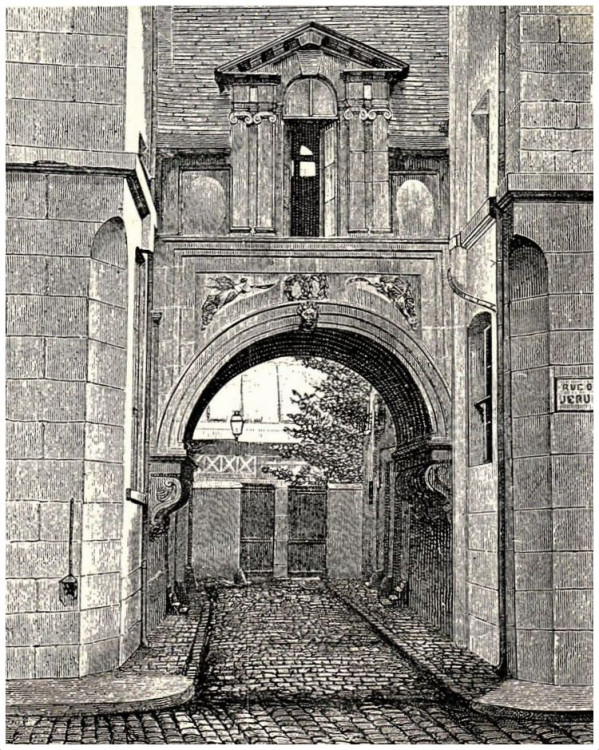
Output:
x=329 y=427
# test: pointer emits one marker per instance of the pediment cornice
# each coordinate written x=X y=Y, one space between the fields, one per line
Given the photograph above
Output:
x=316 y=37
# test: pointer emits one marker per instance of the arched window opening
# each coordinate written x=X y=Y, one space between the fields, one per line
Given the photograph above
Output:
x=480 y=390
x=310 y=97
x=310 y=107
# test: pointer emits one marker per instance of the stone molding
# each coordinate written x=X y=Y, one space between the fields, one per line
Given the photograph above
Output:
x=120 y=164
x=263 y=325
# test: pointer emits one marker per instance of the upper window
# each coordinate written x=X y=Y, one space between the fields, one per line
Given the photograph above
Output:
x=310 y=97
x=480 y=389
x=478 y=187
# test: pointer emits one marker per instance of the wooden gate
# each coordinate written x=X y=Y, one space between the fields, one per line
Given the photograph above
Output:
x=307 y=531
x=257 y=529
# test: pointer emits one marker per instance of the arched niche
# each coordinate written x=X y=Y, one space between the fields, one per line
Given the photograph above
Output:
x=110 y=243
x=414 y=210
x=527 y=265
x=528 y=287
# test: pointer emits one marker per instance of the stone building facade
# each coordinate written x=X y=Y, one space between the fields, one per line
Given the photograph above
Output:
x=80 y=232
x=520 y=259
x=406 y=190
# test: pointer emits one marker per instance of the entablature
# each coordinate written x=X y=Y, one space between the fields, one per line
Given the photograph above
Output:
x=323 y=247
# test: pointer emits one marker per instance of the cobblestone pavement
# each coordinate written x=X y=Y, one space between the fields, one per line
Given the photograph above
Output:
x=461 y=671
x=292 y=664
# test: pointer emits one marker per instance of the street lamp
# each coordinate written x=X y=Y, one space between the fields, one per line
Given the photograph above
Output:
x=237 y=424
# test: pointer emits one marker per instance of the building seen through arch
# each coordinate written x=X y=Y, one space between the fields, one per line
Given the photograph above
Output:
x=204 y=191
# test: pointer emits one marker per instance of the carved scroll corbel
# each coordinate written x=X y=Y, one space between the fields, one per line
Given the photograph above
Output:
x=166 y=496
x=438 y=478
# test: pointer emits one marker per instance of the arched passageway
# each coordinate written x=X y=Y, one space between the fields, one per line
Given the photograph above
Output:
x=369 y=359
x=417 y=559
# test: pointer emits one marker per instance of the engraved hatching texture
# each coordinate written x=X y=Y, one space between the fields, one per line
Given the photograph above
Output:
x=192 y=113
x=78 y=77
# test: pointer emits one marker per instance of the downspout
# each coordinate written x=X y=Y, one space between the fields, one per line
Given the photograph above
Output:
x=457 y=289
x=502 y=520
x=145 y=526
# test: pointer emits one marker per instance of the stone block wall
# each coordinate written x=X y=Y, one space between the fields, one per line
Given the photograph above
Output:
x=65 y=77
x=66 y=318
x=72 y=229
x=551 y=337
x=549 y=67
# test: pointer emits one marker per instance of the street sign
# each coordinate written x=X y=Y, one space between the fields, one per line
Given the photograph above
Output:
x=573 y=394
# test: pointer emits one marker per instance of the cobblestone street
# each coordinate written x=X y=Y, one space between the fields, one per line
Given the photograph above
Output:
x=290 y=663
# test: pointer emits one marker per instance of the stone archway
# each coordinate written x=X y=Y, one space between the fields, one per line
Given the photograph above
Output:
x=400 y=369
x=363 y=340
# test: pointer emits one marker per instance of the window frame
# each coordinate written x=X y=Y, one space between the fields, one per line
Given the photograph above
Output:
x=479 y=390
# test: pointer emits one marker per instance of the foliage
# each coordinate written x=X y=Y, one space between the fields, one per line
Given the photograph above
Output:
x=329 y=428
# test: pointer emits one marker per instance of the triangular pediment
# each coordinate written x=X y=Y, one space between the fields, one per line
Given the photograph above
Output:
x=312 y=36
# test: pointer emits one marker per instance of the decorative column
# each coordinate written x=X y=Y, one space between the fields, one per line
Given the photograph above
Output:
x=253 y=120
x=367 y=115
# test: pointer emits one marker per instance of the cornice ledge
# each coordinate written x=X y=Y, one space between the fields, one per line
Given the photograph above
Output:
x=478 y=225
x=61 y=159
x=544 y=186
x=70 y=161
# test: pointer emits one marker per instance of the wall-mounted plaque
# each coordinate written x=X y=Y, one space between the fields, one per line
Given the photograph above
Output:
x=573 y=394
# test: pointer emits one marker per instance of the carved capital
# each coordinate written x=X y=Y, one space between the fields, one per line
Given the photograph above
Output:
x=251 y=118
x=235 y=116
x=259 y=116
x=367 y=114
x=370 y=114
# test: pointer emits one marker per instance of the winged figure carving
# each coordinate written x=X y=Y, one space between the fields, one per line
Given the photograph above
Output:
x=398 y=290
x=225 y=291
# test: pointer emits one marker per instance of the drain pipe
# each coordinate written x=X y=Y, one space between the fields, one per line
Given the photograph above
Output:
x=145 y=526
x=457 y=289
